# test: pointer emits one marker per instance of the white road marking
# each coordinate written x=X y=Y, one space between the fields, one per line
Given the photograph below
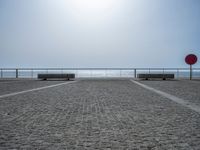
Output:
x=36 y=89
x=171 y=97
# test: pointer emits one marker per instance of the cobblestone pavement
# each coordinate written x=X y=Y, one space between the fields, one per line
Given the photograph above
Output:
x=10 y=86
x=185 y=89
x=97 y=114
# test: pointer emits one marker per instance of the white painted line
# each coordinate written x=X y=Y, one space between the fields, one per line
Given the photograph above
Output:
x=36 y=89
x=171 y=97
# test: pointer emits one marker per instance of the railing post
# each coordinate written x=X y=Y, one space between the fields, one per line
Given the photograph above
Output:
x=1 y=73
x=135 y=73
x=17 y=73
x=77 y=75
x=163 y=73
x=32 y=73
x=91 y=74
x=177 y=73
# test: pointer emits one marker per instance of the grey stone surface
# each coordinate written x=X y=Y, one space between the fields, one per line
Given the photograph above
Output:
x=10 y=86
x=96 y=114
x=185 y=89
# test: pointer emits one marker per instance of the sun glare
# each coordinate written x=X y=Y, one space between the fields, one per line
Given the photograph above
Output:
x=93 y=8
x=93 y=5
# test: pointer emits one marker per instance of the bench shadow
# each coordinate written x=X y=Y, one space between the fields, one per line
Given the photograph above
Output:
x=171 y=80
x=54 y=80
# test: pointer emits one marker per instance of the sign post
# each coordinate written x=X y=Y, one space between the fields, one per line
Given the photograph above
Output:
x=190 y=72
x=190 y=60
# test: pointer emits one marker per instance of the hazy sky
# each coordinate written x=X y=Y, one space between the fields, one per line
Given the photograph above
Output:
x=98 y=33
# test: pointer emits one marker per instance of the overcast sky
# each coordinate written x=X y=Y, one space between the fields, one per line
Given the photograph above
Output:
x=98 y=33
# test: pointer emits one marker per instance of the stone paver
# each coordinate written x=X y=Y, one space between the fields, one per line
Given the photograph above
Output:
x=185 y=89
x=10 y=86
x=97 y=114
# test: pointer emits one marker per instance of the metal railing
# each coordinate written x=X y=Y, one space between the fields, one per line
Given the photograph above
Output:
x=96 y=72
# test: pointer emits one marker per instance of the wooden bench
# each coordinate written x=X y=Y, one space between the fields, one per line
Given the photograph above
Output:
x=56 y=76
x=155 y=76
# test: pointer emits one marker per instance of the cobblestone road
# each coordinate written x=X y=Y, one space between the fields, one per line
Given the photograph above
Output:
x=185 y=89
x=20 y=85
x=97 y=114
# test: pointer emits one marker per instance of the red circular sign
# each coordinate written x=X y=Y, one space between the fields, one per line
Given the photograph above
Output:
x=191 y=59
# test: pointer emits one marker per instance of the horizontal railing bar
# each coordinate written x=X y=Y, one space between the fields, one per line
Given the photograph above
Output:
x=94 y=72
x=98 y=68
